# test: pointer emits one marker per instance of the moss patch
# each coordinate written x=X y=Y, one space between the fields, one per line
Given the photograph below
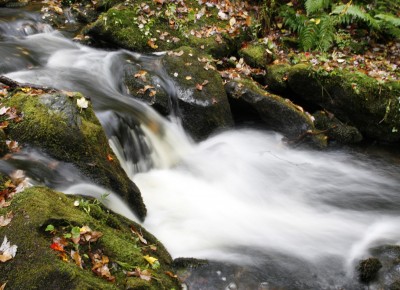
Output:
x=147 y=26
x=37 y=266
x=54 y=123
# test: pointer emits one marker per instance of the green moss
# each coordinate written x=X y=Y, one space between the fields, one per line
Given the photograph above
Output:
x=37 y=266
x=256 y=55
x=355 y=98
x=123 y=26
x=276 y=78
x=54 y=123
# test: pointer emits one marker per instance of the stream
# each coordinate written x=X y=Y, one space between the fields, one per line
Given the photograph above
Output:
x=265 y=215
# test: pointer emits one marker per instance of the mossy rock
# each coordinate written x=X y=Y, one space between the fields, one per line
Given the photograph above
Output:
x=358 y=100
x=203 y=110
x=250 y=103
x=147 y=87
x=335 y=129
x=151 y=27
x=276 y=78
x=256 y=55
x=37 y=266
x=14 y=3
x=368 y=270
x=53 y=123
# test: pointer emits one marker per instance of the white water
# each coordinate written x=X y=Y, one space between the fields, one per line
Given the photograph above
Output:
x=245 y=189
x=239 y=196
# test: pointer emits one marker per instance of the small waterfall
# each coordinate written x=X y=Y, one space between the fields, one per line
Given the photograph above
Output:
x=241 y=196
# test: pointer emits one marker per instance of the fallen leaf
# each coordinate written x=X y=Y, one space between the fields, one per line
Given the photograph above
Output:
x=144 y=275
x=4 y=124
x=188 y=78
x=150 y=259
x=140 y=236
x=232 y=21
x=199 y=87
x=6 y=219
x=109 y=157
x=82 y=103
x=4 y=110
x=77 y=258
x=7 y=251
x=57 y=247
x=152 y=44
x=172 y=275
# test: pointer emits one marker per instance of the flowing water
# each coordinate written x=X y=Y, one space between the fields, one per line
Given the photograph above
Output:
x=275 y=217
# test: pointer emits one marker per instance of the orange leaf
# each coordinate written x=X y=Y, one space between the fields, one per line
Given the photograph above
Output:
x=152 y=44
x=57 y=247
x=109 y=157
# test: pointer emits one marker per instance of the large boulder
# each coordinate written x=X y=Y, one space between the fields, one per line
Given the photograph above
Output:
x=250 y=103
x=149 y=25
x=196 y=95
x=53 y=122
x=358 y=100
x=67 y=242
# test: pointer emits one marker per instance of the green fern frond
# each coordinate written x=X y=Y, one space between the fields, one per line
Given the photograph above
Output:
x=326 y=33
x=356 y=12
x=308 y=37
x=389 y=18
x=313 y=6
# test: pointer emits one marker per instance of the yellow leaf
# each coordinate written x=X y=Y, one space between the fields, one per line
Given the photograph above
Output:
x=317 y=21
x=150 y=259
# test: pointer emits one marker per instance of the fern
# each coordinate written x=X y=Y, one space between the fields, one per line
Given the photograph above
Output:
x=355 y=12
x=308 y=36
x=326 y=33
x=389 y=18
x=313 y=6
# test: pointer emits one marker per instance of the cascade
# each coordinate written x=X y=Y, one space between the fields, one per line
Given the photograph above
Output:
x=241 y=196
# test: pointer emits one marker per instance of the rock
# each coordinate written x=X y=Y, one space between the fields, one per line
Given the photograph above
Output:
x=354 y=98
x=53 y=123
x=37 y=266
x=257 y=55
x=368 y=270
x=149 y=27
x=148 y=87
x=251 y=103
x=388 y=276
x=335 y=129
x=13 y=3
x=201 y=100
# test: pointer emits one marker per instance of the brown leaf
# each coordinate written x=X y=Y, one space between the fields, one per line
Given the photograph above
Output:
x=152 y=44
x=142 y=75
x=141 y=238
x=3 y=124
x=2 y=287
x=199 y=87
x=77 y=258
x=152 y=93
x=172 y=275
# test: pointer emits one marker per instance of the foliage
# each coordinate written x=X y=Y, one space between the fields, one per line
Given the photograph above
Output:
x=317 y=22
